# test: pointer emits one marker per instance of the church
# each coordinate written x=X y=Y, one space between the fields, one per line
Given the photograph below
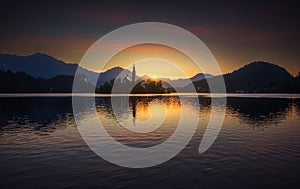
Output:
x=133 y=76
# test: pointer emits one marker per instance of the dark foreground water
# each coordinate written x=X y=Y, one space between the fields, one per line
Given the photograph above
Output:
x=258 y=146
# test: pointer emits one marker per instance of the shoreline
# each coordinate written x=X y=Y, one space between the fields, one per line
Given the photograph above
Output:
x=228 y=95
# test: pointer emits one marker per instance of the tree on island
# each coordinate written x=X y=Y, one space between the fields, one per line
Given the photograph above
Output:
x=148 y=86
x=139 y=87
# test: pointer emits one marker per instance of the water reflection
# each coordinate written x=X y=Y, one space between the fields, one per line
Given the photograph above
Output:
x=239 y=158
x=260 y=112
x=34 y=113
x=133 y=105
x=123 y=123
x=43 y=113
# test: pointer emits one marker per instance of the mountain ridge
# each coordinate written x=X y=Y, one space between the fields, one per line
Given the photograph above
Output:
x=258 y=76
x=41 y=65
x=251 y=78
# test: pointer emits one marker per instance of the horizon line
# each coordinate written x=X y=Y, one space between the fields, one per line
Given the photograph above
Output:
x=174 y=78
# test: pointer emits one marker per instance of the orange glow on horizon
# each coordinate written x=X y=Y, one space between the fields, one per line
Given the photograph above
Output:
x=155 y=61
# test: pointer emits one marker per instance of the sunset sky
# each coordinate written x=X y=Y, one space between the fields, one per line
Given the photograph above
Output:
x=237 y=33
x=156 y=61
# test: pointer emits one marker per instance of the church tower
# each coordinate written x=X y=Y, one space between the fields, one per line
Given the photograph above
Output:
x=133 y=74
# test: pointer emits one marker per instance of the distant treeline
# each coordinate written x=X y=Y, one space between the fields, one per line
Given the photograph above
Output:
x=281 y=85
x=21 y=82
x=139 y=87
x=257 y=77
x=249 y=79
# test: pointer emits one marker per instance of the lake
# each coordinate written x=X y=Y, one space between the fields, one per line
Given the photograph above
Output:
x=257 y=147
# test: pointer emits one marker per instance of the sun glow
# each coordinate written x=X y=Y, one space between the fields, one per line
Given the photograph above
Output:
x=153 y=77
x=155 y=61
x=158 y=68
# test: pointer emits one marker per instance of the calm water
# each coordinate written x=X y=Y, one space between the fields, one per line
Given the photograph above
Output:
x=258 y=146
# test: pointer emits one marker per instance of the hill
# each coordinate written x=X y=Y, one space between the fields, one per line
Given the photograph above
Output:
x=37 y=65
x=183 y=82
x=20 y=82
x=252 y=78
x=30 y=73
x=41 y=65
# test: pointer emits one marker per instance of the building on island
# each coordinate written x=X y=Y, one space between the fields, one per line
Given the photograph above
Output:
x=133 y=74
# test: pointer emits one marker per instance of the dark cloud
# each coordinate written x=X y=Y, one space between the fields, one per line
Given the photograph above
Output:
x=225 y=26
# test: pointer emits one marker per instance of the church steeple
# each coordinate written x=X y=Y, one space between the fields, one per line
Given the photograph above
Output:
x=133 y=74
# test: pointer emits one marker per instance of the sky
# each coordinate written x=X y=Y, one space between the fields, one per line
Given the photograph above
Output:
x=155 y=61
x=236 y=32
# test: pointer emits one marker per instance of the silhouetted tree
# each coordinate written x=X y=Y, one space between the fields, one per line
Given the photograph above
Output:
x=20 y=82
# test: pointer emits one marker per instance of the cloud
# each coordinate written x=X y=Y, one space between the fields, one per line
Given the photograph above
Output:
x=106 y=16
x=235 y=33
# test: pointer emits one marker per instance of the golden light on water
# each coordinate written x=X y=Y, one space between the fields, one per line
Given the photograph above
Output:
x=145 y=109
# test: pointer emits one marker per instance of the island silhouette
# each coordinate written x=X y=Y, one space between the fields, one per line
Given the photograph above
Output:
x=41 y=73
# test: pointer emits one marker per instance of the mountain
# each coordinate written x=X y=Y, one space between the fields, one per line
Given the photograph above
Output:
x=44 y=66
x=113 y=73
x=255 y=77
x=41 y=65
x=201 y=76
x=36 y=65
x=20 y=82
x=167 y=83
x=250 y=78
x=183 y=82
